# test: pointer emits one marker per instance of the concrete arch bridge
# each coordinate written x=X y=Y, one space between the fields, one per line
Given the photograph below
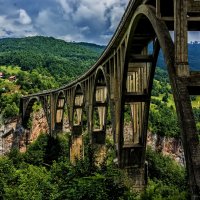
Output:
x=123 y=76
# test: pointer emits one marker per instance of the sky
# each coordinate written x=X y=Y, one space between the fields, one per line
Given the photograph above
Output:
x=91 y=21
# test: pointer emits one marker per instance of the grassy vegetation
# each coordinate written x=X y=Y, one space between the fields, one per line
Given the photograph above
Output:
x=163 y=97
x=10 y=70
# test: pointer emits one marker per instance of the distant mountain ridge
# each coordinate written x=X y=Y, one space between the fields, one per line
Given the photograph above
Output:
x=65 y=60
x=193 y=55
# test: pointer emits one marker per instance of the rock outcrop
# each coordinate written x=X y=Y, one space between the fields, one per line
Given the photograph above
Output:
x=12 y=134
x=168 y=146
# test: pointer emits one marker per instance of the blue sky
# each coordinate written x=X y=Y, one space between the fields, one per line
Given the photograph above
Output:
x=71 y=20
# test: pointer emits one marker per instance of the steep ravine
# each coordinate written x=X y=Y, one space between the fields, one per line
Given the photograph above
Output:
x=168 y=146
x=12 y=134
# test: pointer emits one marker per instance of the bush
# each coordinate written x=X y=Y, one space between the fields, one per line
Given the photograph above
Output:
x=165 y=169
x=35 y=153
x=7 y=174
x=11 y=110
x=31 y=183
x=16 y=157
x=156 y=190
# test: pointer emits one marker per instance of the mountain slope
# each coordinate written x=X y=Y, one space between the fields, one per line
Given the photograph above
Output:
x=63 y=60
x=193 y=55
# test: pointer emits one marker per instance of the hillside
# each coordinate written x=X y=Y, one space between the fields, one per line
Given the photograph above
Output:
x=42 y=63
x=39 y=63
x=63 y=60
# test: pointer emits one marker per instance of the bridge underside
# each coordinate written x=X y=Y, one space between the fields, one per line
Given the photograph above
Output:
x=121 y=82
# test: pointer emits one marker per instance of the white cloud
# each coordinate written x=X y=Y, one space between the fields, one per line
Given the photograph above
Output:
x=72 y=20
x=115 y=17
x=193 y=36
x=75 y=37
x=65 y=6
x=82 y=20
x=9 y=28
x=24 y=18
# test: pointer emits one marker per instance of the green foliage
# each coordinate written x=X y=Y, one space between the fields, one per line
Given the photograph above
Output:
x=79 y=182
x=60 y=179
x=7 y=174
x=46 y=149
x=196 y=112
x=96 y=187
x=40 y=63
x=165 y=169
x=16 y=157
x=127 y=113
x=24 y=177
x=31 y=182
x=36 y=151
x=163 y=120
x=167 y=179
x=62 y=60
x=9 y=99
x=157 y=190
x=36 y=80
x=11 y=110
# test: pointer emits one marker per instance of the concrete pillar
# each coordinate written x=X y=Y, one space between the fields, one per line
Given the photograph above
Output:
x=180 y=37
x=52 y=114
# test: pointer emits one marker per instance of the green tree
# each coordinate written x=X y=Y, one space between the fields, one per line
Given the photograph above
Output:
x=32 y=182
x=11 y=110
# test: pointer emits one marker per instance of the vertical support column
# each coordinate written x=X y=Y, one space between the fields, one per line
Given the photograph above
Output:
x=90 y=106
x=117 y=94
x=52 y=114
x=180 y=37
x=112 y=96
x=71 y=112
x=86 y=102
x=190 y=139
x=182 y=98
x=158 y=14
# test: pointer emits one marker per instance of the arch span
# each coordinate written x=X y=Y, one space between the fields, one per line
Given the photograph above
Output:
x=123 y=75
x=76 y=139
x=28 y=110
x=59 y=111
x=179 y=87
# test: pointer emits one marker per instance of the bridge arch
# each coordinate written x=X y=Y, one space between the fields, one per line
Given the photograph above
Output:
x=78 y=106
x=137 y=80
x=28 y=110
x=100 y=111
x=161 y=39
x=59 y=110
x=76 y=140
x=100 y=103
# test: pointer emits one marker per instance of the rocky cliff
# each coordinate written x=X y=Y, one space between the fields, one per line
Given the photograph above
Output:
x=168 y=146
x=12 y=134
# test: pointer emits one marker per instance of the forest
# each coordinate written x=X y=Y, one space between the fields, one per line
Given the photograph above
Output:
x=44 y=171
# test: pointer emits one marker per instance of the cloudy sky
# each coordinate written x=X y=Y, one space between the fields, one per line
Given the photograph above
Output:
x=72 y=20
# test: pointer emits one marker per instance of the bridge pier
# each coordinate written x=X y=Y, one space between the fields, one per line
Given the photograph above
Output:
x=137 y=177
